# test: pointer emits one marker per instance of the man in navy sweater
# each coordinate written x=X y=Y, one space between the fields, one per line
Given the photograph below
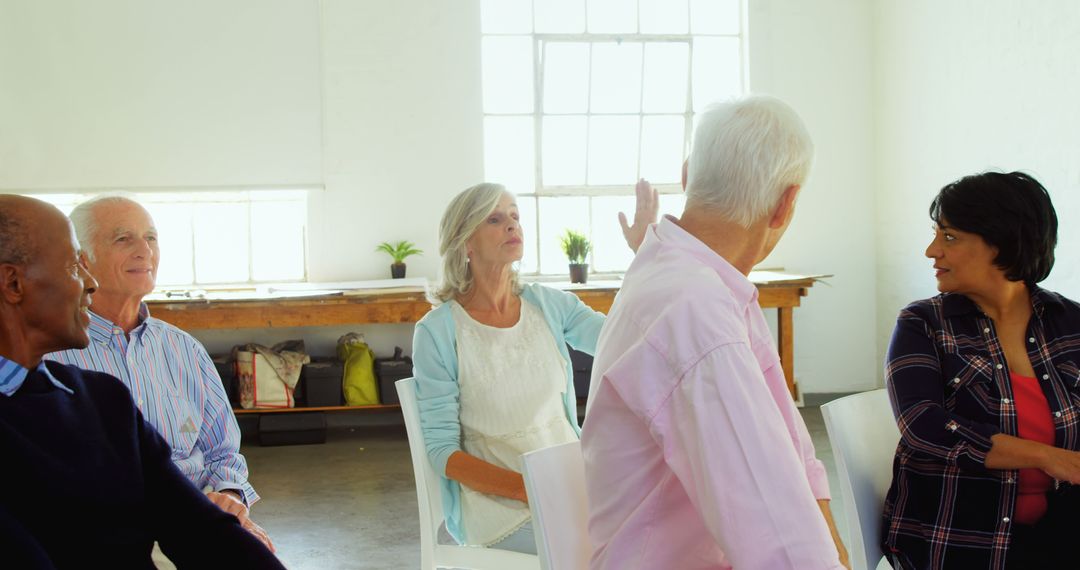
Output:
x=84 y=481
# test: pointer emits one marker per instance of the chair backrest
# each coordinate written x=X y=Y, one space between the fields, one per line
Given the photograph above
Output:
x=429 y=500
x=555 y=482
x=863 y=434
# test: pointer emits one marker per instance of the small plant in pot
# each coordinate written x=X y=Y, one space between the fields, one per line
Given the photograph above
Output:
x=399 y=251
x=576 y=247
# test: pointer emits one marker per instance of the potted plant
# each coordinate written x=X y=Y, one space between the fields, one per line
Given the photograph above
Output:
x=576 y=247
x=399 y=251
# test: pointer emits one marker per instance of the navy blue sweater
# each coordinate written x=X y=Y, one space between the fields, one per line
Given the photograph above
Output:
x=85 y=482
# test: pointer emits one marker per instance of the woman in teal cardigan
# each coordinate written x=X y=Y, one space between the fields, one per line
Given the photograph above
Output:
x=490 y=384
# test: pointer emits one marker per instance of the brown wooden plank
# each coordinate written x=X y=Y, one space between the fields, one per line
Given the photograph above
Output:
x=373 y=408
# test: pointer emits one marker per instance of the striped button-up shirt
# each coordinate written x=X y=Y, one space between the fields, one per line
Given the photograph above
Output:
x=950 y=389
x=178 y=390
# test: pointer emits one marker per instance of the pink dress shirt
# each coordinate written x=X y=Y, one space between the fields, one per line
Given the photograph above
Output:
x=695 y=455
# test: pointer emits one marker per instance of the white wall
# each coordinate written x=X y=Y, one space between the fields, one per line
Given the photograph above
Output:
x=154 y=93
x=401 y=133
x=816 y=56
x=964 y=86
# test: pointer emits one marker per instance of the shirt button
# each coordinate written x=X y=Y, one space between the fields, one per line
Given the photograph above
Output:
x=987 y=330
x=1046 y=376
x=1057 y=414
x=1031 y=340
x=1009 y=480
x=140 y=402
x=1004 y=400
x=1005 y=520
x=998 y=367
x=955 y=380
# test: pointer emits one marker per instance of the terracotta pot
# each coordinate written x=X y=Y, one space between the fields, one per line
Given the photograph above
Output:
x=397 y=270
x=579 y=272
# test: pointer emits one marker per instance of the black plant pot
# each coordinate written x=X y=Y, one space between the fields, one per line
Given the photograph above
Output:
x=397 y=270
x=579 y=272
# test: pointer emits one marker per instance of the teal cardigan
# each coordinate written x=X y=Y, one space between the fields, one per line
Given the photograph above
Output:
x=435 y=367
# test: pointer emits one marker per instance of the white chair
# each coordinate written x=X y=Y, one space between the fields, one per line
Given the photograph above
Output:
x=863 y=435
x=555 y=482
x=432 y=554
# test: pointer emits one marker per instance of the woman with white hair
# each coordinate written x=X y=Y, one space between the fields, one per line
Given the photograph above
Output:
x=493 y=375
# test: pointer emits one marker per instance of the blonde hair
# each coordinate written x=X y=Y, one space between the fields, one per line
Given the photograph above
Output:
x=465 y=213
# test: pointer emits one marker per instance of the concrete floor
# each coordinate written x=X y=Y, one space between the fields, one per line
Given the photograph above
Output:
x=351 y=502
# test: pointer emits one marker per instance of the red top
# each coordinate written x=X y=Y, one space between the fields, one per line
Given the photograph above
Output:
x=1033 y=422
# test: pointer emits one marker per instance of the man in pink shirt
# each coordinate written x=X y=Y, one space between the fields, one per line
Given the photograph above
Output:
x=695 y=455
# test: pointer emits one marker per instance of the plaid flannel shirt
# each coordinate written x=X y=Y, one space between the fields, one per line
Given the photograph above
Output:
x=950 y=390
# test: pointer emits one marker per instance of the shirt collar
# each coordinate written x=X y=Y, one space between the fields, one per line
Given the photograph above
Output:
x=957 y=305
x=102 y=330
x=670 y=233
x=13 y=375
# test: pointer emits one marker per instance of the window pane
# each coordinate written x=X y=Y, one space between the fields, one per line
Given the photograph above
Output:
x=173 y=223
x=566 y=77
x=559 y=16
x=662 y=144
x=667 y=68
x=506 y=16
x=564 y=150
x=663 y=16
x=616 y=77
x=714 y=17
x=508 y=75
x=277 y=241
x=221 y=243
x=672 y=204
x=509 y=152
x=612 y=16
x=613 y=149
x=527 y=212
x=610 y=252
x=717 y=70
x=556 y=216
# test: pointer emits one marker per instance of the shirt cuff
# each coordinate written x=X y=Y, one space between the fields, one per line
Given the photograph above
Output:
x=247 y=494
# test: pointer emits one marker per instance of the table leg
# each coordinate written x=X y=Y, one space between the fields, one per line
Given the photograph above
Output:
x=786 y=347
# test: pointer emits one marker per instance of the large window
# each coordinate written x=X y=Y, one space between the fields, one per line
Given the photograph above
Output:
x=220 y=238
x=584 y=97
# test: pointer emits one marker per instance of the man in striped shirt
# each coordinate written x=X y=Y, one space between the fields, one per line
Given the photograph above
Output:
x=172 y=379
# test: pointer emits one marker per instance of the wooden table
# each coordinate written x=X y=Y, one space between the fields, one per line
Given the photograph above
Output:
x=407 y=305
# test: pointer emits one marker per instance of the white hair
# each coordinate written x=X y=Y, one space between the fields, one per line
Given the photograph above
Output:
x=86 y=223
x=465 y=213
x=746 y=153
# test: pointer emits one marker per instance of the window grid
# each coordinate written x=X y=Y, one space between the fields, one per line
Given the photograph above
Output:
x=540 y=42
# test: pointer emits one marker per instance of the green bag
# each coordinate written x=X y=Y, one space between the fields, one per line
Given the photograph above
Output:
x=359 y=383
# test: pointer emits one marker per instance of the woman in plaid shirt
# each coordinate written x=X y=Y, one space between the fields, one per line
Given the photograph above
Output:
x=985 y=384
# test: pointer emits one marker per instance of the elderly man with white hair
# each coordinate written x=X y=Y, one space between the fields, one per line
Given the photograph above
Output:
x=172 y=379
x=695 y=455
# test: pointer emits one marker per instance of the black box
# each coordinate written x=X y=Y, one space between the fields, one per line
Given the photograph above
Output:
x=582 y=365
x=322 y=379
x=390 y=370
x=292 y=428
x=226 y=369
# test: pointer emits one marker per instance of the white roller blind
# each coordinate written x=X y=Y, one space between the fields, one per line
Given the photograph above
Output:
x=155 y=93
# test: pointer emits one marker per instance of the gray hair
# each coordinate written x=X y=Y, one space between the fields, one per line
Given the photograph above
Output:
x=85 y=222
x=746 y=153
x=465 y=213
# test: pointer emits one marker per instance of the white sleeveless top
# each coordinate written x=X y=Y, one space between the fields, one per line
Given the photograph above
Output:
x=512 y=382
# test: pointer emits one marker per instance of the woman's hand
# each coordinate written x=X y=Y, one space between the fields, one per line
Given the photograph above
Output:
x=648 y=208
x=479 y=475
x=1062 y=464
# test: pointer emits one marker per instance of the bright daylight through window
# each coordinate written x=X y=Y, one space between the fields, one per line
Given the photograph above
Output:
x=583 y=97
x=216 y=238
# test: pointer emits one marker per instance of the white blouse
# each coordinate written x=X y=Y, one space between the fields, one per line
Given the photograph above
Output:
x=512 y=382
